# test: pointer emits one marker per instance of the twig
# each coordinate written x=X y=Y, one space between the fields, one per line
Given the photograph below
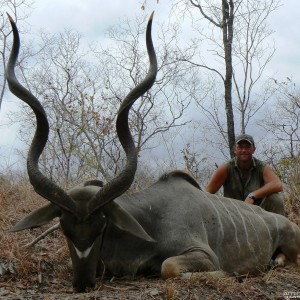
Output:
x=43 y=235
x=136 y=287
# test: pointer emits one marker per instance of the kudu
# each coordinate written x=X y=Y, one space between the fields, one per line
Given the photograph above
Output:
x=172 y=227
x=86 y=210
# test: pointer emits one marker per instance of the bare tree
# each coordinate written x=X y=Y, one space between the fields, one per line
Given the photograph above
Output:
x=283 y=120
x=236 y=35
x=161 y=108
x=81 y=94
x=282 y=126
x=251 y=53
x=68 y=85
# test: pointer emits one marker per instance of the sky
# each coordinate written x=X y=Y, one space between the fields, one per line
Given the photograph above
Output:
x=286 y=23
x=91 y=19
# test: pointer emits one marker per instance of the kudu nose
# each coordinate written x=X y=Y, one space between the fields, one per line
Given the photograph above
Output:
x=82 y=286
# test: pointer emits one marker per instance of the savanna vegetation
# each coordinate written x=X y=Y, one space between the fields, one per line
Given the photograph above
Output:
x=81 y=88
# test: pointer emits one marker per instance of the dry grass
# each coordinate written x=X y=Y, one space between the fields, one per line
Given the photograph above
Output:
x=46 y=265
x=292 y=203
x=49 y=255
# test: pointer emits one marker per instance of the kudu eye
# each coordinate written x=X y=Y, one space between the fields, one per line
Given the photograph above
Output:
x=96 y=215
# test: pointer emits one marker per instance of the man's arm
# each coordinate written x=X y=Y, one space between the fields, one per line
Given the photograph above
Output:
x=272 y=185
x=217 y=180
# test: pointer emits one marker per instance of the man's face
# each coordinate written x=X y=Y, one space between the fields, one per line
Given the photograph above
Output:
x=244 y=151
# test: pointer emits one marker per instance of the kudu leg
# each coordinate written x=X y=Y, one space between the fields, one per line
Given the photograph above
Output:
x=189 y=262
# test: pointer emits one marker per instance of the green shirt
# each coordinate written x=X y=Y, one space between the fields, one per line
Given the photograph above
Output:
x=240 y=183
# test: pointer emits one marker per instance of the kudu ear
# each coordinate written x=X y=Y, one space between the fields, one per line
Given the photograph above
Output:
x=125 y=221
x=38 y=217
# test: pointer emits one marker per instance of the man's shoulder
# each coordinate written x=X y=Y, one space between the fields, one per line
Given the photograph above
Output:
x=260 y=165
x=259 y=162
x=230 y=162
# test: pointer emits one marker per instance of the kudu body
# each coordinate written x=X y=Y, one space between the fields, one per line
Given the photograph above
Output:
x=170 y=228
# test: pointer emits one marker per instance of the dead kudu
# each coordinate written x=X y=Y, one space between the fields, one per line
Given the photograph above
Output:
x=171 y=228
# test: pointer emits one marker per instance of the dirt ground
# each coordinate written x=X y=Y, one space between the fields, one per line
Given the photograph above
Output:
x=43 y=271
x=280 y=283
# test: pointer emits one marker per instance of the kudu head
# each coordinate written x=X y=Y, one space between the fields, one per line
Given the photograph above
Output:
x=85 y=210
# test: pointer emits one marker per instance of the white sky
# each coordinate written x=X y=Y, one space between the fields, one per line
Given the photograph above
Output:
x=92 y=17
x=286 y=23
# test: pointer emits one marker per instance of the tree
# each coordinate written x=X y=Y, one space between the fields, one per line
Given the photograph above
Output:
x=240 y=55
x=283 y=123
x=284 y=117
x=162 y=107
x=251 y=53
x=68 y=85
x=82 y=94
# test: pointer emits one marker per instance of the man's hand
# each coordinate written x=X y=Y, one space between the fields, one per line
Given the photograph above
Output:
x=249 y=200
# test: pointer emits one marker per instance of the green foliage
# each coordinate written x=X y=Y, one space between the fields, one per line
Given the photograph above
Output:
x=288 y=169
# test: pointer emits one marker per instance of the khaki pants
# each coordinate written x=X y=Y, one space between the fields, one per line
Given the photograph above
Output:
x=273 y=203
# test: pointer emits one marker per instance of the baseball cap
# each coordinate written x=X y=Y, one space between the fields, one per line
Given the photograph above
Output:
x=244 y=137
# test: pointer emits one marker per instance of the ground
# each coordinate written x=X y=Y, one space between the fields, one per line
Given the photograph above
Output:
x=48 y=284
x=43 y=271
x=280 y=283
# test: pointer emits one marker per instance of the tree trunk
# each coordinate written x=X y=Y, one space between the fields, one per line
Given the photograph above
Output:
x=227 y=11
